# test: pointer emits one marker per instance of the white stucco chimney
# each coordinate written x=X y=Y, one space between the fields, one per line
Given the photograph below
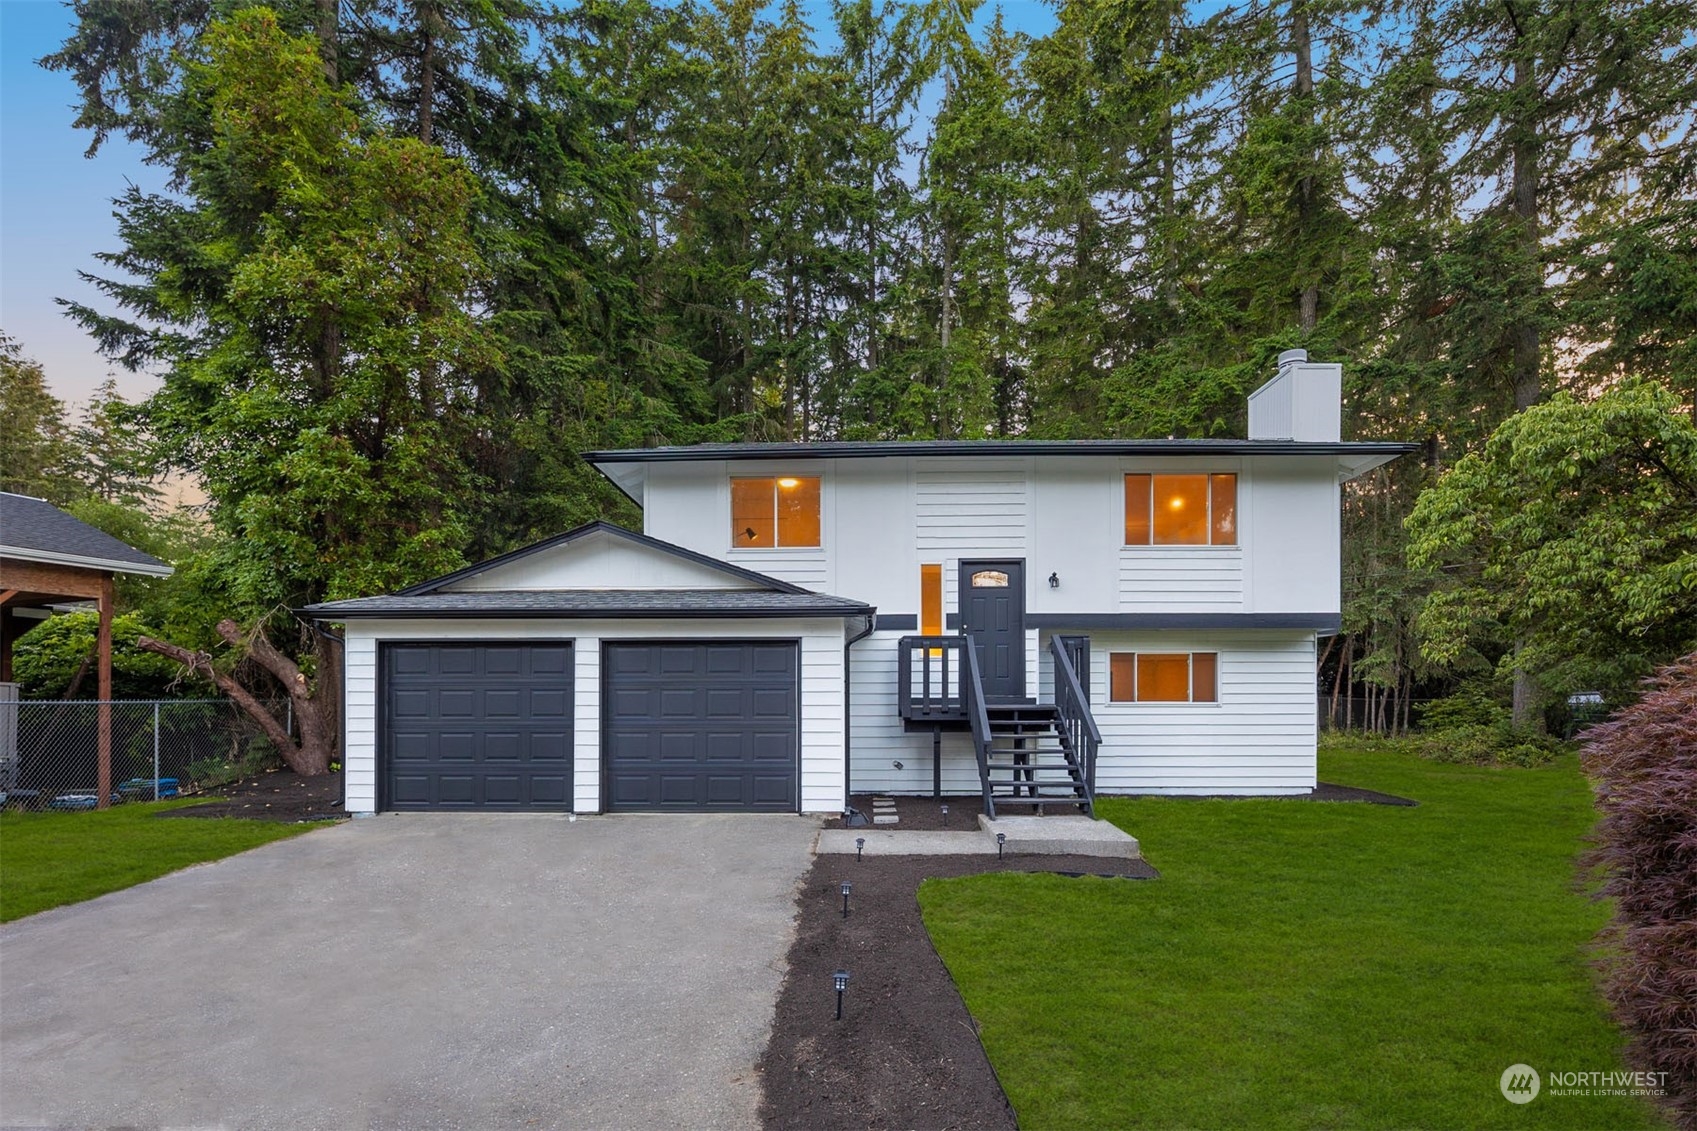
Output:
x=1304 y=402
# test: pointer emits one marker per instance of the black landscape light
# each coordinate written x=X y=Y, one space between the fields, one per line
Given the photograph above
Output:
x=945 y=815
x=845 y=889
x=859 y=847
x=1001 y=843
x=840 y=980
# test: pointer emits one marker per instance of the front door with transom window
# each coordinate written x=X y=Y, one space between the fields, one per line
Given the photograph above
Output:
x=992 y=613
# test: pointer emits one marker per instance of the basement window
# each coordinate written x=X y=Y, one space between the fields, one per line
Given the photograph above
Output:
x=774 y=512
x=1181 y=510
x=1163 y=677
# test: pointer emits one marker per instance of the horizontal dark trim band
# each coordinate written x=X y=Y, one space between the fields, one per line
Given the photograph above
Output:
x=897 y=622
x=1317 y=622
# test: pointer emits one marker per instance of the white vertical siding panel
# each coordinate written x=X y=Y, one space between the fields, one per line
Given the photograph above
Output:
x=359 y=758
x=822 y=722
x=586 y=724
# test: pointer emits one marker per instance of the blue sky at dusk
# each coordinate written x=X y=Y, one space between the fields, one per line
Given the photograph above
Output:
x=56 y=204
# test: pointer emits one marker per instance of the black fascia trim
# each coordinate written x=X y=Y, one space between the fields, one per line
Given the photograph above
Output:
x=1318 y=622
x=601 y=526
x=331 y=616
x=876 y=449
x=896 y=622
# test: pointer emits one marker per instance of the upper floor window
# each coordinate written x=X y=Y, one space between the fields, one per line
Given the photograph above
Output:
x=1181 y=510
x=774 y=511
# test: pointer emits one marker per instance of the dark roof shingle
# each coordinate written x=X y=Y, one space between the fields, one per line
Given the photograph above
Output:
x=582 y=603
x=36 y=530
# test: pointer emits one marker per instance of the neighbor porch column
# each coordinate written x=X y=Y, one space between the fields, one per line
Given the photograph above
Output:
x=105 y=708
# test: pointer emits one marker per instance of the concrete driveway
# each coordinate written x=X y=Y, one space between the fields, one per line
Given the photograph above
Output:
x=416 y=971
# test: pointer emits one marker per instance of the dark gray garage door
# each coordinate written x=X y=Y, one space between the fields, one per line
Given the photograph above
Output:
x=701 y=727
x=477 y=726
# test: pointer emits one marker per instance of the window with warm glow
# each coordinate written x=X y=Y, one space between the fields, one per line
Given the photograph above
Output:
x=931 y=600
x=1181 y=510
x=779 y=511
x=1163 y=677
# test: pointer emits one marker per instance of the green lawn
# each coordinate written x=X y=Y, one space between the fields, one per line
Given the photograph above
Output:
x=1302 y=964
x=50 y=859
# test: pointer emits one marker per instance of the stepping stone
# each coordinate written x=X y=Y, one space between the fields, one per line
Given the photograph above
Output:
x=880 y=819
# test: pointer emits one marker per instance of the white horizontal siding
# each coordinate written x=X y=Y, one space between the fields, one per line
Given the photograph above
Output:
x=1259 y=738
x=821 y=692
x=960 y=513
x=808 y=568
x=1165 y=579
x=878 y=740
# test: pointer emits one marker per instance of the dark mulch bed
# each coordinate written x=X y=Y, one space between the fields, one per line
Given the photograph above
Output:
x=278 y=795
x=906 y=1053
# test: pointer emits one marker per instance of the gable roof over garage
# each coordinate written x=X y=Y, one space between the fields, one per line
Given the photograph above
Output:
x=587 y=573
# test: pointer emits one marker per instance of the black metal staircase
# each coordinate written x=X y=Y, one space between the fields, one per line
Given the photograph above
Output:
x=1030 y=755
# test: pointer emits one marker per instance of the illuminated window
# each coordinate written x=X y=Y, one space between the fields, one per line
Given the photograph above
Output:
x=782 y=511
x=931 y=600
x=1163 y=677
x=1181 y=510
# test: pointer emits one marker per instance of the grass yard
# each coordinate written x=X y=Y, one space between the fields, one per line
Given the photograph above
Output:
x=1302 y=964
x=50 y=859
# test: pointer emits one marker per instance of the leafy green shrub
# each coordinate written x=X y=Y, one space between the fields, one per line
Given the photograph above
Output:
x=1498 y=744
x=48 y=660
x=1467 y=708
x=1644 y=763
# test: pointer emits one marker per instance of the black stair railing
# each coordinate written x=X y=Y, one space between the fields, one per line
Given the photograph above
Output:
x=972 y=692
x=930 y=678
x=1074 y=718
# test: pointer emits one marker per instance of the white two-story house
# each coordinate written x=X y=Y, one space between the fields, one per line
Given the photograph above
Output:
x=793 y=627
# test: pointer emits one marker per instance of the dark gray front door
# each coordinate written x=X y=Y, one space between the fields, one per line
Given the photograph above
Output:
x=477 y=726
x=701 y=726
x=992 y=612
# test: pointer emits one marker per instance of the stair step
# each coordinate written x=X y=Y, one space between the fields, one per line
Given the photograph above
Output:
x=1003 y=801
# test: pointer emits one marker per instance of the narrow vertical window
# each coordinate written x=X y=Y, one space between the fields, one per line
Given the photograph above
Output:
x=1122 y=677
x=931 y=600
x=1137 y=509
x=752 y=524
x=1204 y=677
x=1222 y=502
x=798 y=511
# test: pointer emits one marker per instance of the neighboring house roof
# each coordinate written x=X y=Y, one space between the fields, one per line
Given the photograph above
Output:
x=455 y=595
x=34 y=530
x=591 y=603
x=583 y=533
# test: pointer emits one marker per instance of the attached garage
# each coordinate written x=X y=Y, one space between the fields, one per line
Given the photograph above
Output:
x=477 y=726
x=598 y=671
x=699 y=726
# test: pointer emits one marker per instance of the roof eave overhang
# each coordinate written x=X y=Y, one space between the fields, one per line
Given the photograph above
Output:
x=108 y=565
x=622 y=457
x=316 y=613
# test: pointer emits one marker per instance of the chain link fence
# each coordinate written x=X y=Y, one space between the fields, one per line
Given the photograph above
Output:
x=161 y=748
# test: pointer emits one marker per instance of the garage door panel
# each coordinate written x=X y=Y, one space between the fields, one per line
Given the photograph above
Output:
x=695 y=727
x=477 y=726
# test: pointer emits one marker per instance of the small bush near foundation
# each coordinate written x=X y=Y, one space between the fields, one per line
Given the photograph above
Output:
x=1644 y=766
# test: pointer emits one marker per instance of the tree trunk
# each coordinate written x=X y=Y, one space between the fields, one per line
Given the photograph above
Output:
x=426 y=72
x=328 y=52
x=1308 y=302
x=1530 y=288
x=314 y=713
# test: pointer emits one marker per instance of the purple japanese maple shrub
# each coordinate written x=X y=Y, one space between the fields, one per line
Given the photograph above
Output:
x=1643 y=763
